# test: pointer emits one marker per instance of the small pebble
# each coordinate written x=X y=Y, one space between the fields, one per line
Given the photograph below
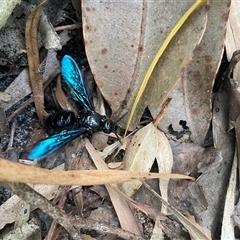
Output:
x=5 y=97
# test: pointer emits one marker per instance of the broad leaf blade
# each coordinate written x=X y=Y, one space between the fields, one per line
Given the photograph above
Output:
x=121 y=48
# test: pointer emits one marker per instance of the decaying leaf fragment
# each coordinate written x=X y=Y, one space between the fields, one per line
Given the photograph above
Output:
x=214 y=183
x=194 y=229
x=33 y=59
x=191 y=159
x=233 y=30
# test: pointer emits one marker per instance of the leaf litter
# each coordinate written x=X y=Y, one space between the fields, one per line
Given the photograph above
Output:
x=180 y=150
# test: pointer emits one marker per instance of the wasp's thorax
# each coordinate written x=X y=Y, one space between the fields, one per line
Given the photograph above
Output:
x=96 y=122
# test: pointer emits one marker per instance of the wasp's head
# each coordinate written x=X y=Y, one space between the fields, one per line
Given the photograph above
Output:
x=108 y=125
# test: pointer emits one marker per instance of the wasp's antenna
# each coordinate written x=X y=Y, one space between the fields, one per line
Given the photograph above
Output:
x=118 y=138
x=124 y=115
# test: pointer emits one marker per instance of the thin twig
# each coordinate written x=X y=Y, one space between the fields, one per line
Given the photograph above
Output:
x=71 y=26
x=162 y=112
x=13 y=129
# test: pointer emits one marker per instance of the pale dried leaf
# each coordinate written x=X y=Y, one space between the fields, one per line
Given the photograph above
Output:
x=115 y=165
x=164 y=159
x=228 y=222
x=15 y=172
x=111 y=148
x=30 y=230
x=18 y=89
x=140 y=155
x=52 y=66
x=23 y=213
x=157 y=233
x=50 y=38
x=237 y=129
x=147 y=145
x=236 y=214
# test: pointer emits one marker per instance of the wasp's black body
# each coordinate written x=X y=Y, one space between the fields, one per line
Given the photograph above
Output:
x=69 y=126
x=59 y=121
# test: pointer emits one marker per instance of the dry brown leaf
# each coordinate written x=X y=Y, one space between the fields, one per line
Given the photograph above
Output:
x=121 y=206
x=20 y=87
x=16 y=172
x=121 y=48
x=33 y=59
x=61 y=98
x=187 y=197
x=169 y=70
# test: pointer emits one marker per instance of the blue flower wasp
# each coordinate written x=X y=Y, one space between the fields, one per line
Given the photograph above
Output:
x=87 y=123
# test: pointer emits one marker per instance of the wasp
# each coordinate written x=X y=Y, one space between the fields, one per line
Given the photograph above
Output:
x=85 y=124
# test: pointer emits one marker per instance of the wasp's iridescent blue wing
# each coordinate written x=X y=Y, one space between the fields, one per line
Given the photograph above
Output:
x=49 y=145
x=72 y=76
